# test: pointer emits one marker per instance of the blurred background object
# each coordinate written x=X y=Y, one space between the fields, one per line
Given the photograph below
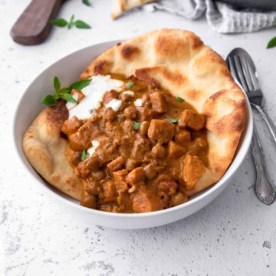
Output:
x=33 y=26
x=224 y=16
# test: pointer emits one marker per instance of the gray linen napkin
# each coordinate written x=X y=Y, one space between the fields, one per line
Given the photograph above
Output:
x=220 y=16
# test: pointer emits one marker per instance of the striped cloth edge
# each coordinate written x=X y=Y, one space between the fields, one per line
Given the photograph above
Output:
x=221 y=17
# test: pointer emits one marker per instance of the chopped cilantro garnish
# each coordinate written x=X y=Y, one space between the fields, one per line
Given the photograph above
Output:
x=173 y=120
x=129 y=84
x=136 y=126
x=83 y=155
x=179 y=99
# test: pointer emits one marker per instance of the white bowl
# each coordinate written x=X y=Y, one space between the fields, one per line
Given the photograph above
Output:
x=68 y=69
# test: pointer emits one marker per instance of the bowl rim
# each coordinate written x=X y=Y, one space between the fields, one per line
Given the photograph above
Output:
x=238 y=158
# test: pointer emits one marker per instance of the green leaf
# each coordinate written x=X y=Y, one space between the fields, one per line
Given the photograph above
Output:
x=87 y=3
x=136 y=126
x=271 y=43
x=129 y=84
x=83 y=155
x=56 y=84
x=79 y=85
x=71 y=22
x=59 y=22
x=68 y=98
x=64 y=93
x=172 y=120
x=49 y=100
x=82 y=25
x=56 y=96
x=180 y=99
x=65 y=90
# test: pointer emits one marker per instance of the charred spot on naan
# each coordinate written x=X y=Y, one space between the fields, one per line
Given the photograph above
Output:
x=101 y=67
x=58 y=113
x=129 y=52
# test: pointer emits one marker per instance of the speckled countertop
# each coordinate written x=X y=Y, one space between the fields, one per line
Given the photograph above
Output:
x=234 y=235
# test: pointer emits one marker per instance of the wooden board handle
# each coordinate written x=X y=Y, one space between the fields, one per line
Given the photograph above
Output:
x=33 y=26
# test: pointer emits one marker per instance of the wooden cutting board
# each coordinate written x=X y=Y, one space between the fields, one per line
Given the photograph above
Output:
x=33 y=26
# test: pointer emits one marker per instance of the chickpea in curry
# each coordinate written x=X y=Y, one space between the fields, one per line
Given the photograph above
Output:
x=146 y=155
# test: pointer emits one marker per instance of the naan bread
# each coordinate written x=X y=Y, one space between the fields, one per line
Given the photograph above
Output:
x=122 y=6
x=45 y=150
x=178 y=61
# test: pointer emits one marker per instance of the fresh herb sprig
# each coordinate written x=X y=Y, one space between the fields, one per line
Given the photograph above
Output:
x=61 y=22
x=64 y=93
x=71 y=22
x=271 y=43
x=87 y=3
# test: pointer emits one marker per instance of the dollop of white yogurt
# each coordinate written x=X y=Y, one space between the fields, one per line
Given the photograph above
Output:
x=94 y=93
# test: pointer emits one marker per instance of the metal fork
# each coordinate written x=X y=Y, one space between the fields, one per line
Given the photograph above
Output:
x=244 y=71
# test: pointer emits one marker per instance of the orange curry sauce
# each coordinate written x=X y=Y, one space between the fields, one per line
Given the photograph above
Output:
x=146 y=154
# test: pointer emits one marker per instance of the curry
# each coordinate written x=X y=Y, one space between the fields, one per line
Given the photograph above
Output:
x=133 y=144
x=144 y=155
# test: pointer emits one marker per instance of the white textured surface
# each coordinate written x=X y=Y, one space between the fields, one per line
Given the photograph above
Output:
x=235 y=235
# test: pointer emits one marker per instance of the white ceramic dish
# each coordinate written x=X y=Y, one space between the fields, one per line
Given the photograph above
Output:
x=68 y=69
